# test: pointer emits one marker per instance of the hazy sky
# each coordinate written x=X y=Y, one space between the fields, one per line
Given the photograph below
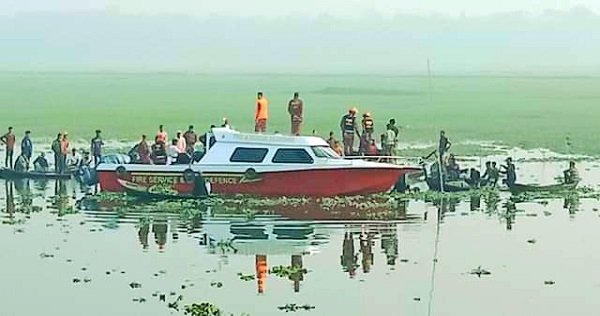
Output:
x=304 y=7
x=324 y=37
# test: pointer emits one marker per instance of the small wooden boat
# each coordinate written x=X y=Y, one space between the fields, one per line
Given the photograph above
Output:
x=10 y=174
x=521 y=188
x=449 y=186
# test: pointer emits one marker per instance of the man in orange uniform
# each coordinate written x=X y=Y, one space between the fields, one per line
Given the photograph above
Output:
x=295 y=108
x=262 y=113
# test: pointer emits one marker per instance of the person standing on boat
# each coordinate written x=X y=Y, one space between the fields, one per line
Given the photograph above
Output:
x=392 y=124
x=571 y=175
x=494 y=175
x=295 y=109
x=162 y=135
x=143 y=151
x=389 y=142
x=190 y=139
x=487 y=174
x=64 y=151
x=181 y=143
x=443 y=145
x=262 y=113
x=96 y=147
x=57 y=153
x=368 y=126
x=349 y=128
x=510 y=172
x=27 y=145
x=9 y=139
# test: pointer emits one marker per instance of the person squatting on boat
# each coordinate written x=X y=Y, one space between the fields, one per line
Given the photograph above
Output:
x=40 y=164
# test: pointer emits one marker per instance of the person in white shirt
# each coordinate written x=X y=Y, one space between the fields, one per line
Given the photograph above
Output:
x=181 y=143
x=172 y=152
x=73 y=160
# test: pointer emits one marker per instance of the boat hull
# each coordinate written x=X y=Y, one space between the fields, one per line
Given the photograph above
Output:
x=311 y=183
x=518 y=188
x=12 y=174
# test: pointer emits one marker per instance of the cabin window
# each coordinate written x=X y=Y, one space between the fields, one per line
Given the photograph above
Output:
x=292 y=156
x=324 y=152
x=253 y=155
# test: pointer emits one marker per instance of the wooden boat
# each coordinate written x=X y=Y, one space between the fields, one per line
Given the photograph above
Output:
x=10 y=174
x=449 y=186
x=521 y=188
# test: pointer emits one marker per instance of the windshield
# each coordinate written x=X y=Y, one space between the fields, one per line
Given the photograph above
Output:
x=325 y=152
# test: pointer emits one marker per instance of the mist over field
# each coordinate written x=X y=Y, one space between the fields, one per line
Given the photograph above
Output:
x=565 y=42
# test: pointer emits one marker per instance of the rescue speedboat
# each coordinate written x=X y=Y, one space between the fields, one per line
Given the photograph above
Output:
x=261 y=165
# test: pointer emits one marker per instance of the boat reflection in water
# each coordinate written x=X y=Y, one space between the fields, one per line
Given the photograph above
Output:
x=287 y=231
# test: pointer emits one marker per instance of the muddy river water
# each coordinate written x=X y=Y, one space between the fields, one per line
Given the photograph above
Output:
x=63 y=253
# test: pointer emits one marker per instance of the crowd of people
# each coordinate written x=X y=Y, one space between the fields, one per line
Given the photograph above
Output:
x=447 y=164
x=66 y=159
x=182 y=149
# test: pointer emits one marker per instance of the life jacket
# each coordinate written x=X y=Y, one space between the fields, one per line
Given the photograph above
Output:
x=349 y=123
x=368 y=124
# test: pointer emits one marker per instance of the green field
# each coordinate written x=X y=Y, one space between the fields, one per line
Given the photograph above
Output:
x=530 y=112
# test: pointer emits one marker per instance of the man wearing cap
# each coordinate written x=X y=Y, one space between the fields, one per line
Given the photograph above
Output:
x=295 y=109
x=96 y=147
x=9 y=141
x=349 y=128
x=262 y=113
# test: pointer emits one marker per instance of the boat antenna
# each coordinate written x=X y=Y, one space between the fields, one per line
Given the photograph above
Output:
x=439 y=158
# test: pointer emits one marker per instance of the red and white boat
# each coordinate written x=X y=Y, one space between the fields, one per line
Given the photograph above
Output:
x=261 y=165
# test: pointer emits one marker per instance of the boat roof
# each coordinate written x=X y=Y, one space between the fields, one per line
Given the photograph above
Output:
x=227 y=135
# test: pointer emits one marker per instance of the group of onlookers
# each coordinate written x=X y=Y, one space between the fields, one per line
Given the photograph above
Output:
x=66 y=159
x=181 y=149
x=9 y=140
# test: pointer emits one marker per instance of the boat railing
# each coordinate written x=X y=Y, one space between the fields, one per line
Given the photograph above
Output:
x=387 y=159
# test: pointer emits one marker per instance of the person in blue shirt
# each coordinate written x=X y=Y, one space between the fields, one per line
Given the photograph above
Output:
x=27 y=146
